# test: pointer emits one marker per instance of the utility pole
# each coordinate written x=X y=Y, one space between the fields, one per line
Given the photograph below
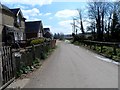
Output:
x=76 y=31
x=74 y=25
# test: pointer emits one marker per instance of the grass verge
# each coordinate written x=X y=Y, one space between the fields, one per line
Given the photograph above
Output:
x=107 y=51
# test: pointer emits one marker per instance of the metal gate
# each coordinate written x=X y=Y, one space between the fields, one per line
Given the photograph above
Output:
x=7 y=64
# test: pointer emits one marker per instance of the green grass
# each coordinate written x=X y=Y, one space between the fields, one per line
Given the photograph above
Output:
x=107 y=51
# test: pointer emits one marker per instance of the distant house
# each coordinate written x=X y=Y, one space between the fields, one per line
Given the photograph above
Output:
x=34 y=29
x=87 y=34
x=13 y=25
x=46 y=30
x=47 y=33
x=68 y=36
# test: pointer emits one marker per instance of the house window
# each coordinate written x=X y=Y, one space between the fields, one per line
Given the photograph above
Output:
x=16 y=36
x=39 y=34
x=21 y=36
x=18 y=21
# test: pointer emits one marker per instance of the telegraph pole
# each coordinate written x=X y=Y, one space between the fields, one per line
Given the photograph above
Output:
x=74 y=26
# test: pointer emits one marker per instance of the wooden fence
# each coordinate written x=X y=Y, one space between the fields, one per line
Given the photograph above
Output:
x=101 y=44
x=7 y=66
x=13 y=59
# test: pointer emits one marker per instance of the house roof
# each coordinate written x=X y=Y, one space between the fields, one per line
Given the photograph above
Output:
x=33 y=26
x=48 y=34
x=12 y=11
x=46 y=30
x=16 y=11
x=6 y=8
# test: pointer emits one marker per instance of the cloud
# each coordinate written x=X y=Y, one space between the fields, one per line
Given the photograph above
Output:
x=85 y=0
x=28 y=2
x=47 y=26
x=31 y=13
x=50 y=18
x=47 y=14
x=21 y=6
x=33 y=19
x=45 y=2
x=65 y=23
x=59 y=29
x=66 y=13
x=65 y=26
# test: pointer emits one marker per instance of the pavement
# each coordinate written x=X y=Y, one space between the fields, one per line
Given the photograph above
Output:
x=72 y=66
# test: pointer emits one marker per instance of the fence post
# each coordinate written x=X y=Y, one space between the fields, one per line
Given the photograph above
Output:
x=94 y=46
x=101 y=47
x=90 y=45
x=114 y=49
x=33 y=52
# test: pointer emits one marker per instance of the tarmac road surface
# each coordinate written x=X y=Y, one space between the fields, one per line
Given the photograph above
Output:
x=71 y=66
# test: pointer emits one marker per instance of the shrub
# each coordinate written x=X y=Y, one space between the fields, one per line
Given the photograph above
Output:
x=76 y=43
x=98 y=49
x=37 y=41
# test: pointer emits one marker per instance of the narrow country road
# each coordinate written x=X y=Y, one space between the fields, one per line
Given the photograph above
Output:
x=71 y=66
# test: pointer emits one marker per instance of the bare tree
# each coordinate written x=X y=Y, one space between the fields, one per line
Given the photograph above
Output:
x=92 y=29
x=97 y=11
x=81 y=21
x=114 y=24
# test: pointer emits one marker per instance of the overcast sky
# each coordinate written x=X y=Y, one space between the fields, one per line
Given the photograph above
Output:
x=55 y=14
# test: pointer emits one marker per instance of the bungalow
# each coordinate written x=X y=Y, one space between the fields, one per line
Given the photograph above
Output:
x=33 y=29
x=12 y=26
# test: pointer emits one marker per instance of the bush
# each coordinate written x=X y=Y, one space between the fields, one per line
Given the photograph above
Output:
x=26 y=69
x=77 y=43
x=78 y=38
x=37 y=41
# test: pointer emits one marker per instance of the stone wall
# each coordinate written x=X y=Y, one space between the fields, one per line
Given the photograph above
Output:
x=8 y=18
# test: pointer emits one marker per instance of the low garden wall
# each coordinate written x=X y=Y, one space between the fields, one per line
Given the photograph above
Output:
x=27 y=56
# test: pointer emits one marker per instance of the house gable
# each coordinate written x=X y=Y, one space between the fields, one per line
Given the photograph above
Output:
x=34 y=27
x=19 y=19
x=17 y=12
